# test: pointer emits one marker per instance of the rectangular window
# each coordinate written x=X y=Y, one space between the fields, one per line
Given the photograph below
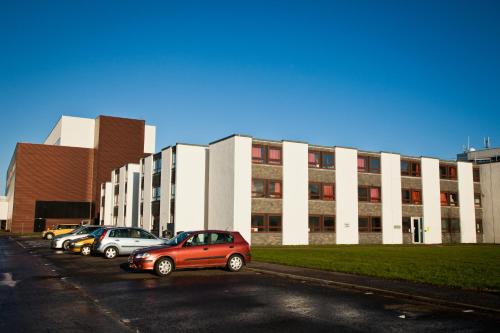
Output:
x=321 y=191
x=449 y=199
x=410 y=168
x=321 y=159
x=156 y=193
x=476 y=175
x=369 y=224
x=479 y=226
x=265 y=154
x=406 y=225
x=369 y=164
x=477 y=200
x=157 y=165
x=264 y=188
x=314 y=191
x=320 y=223
x=447 y=171
x=413 y=197
x=266 y=223
x=369 y=194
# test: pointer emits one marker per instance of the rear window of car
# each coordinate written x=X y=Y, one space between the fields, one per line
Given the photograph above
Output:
x=221 y=238
x=119 y=233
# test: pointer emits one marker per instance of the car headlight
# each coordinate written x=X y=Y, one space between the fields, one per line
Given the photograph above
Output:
x=142 y=255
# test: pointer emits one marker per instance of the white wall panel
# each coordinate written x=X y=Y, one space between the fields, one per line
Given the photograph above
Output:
x=149 y=139
x=466 y=203
x=346 y=194
x=166 y=175
x=431 y=200
x=392 y=231
x=295 y=219
x=148 y=193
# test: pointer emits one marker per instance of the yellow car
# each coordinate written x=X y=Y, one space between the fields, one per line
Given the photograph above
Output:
x=84 y=245
x=59 y=229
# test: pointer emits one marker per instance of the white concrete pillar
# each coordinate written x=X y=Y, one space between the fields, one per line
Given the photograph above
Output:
x=295 y=218
x=346 y=195
x=466 y=203
x=431 y=200
x=392 y=231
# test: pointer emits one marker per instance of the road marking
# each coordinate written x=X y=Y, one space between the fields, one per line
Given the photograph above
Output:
x=7 y=280
x=402 y=316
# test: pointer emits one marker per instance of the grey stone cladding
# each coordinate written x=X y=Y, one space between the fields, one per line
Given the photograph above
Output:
x=412 y=210
x=450 y=212
x=477 y=187
x=265 y=171
x=266 y=205
x=369 y=179
x=266 y=238
x=369 y=209
x=321 y=207
x=411 y=182
x=479 y=213
x=407 y=238
x=322 y=238
x=479 y=238
x=449 y=238
x=370 y=238
x=449 y=185
x=321 y=175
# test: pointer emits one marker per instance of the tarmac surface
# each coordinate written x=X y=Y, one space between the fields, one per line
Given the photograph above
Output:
x=43 y=290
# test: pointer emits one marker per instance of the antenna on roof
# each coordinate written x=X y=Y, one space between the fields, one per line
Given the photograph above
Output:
x=487 y=142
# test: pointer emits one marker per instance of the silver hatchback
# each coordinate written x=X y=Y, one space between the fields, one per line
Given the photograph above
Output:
x=123 y=241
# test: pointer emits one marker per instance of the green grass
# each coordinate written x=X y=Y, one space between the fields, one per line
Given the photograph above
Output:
x=462 y=266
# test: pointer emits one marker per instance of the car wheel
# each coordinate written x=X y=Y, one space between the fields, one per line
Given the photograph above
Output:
x=85 y=250
x=49 y=236
x=65 y=245
x=111 y=252
x=164 y=266
x=235 y=263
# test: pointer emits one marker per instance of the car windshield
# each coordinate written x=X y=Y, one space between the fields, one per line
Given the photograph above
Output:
x=77 y=230
x=178 y=239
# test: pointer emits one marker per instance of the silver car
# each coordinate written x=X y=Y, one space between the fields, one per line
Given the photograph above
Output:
x=62 y=241
x=123 y=240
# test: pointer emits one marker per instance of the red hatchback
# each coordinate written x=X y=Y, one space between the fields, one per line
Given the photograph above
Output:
x=194 y=249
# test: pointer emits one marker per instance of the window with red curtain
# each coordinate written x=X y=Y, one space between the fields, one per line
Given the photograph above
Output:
x=314 y=159
x=274 y=189
x=453 y=172
x=416 y=197
x=375 y=194
x=328 y=192
x=362 y=161
x=258 y=154
x=444 y=199
x=274 y=155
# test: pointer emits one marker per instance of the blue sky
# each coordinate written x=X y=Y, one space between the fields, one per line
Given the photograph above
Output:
x=415 y=77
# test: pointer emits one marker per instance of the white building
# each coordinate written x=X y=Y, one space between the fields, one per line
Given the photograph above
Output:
x=173 y=191
x=4 y=208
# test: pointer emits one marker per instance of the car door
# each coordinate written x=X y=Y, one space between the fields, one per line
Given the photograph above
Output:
x=194 y=252
x=221 y=244
x=121 y=238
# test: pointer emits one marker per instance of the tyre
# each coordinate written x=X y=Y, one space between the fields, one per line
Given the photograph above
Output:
x=164 y=266
x=65 y=245
x=235 y=263
x=110 y=252
x=86 y=250
x=49 y=236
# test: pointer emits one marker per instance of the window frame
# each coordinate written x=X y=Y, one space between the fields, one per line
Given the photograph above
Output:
x=410 y=172
x=449 y=229
x=411 y=201
x=266 y=193
x=448 y=201
x=476 y=175
x=321 y=225
x=266 y=225
x=321 y=159
x=448 y=174
x=478 y=196
x=369 y=227
x=368 y=164
x=265 y=154
x=321 y=195
x=369 y=197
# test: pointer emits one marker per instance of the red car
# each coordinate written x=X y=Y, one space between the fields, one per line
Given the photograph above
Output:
x=207 y=248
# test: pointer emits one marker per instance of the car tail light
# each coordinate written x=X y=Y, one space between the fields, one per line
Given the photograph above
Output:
x=102 y=235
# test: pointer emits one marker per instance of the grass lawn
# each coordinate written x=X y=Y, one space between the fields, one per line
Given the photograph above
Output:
x=462 y=266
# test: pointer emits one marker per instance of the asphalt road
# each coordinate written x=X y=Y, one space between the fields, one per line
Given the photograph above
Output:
x=42 y=290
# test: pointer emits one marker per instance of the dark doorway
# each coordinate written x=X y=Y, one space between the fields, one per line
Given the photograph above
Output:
x=39 y=225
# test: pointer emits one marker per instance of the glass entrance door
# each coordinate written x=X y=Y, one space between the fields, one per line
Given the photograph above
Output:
x=417 y=230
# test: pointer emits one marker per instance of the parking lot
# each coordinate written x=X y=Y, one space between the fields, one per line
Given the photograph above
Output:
x=46 y=290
